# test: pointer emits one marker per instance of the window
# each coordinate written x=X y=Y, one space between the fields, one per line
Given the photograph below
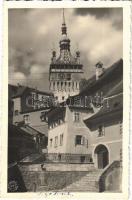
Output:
x=56 y=98
x=59 y=157
x=82 y=159
x=100 y=131
x=56 y=141
x=76 y=117
x=68 y=77
x=120 y=154
x=26 y=119
x=121 y=128
x=53 y=85
x=79 y=140
x=61 y=139
x=87 y=143
x=43 y=116
x=51 y=141
x=63 y=98
x=16 y=112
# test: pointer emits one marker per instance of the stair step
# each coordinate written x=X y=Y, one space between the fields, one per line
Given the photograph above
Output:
x=86 y=183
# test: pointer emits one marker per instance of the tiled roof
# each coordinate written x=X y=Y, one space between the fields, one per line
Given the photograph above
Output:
x=42 y=129
x=116 y=90
x=34 y=130
x=109 y=74
x=12 y=90
x=17 y=131
x=21 y=89
x=55 y=111
x=110 y=107
x=66 y=58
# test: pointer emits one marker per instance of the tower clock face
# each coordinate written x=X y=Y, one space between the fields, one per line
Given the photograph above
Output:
x=61 y=76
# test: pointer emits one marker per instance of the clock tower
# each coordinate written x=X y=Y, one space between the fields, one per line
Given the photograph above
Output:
x=66 y=70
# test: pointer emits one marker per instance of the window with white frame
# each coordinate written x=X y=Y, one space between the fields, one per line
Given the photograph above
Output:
x=61 y=139
x=100 y=131
x=56 y=141
x=76 y=116
x=79 y=140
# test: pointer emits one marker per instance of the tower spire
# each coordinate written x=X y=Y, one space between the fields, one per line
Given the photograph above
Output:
x=64 y=29
x=63 y=22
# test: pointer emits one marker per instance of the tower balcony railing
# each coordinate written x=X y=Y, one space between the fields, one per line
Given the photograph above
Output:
x=69 y=66
x=67 y=70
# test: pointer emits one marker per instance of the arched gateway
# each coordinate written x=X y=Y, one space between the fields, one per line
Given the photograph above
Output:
x=102 y=156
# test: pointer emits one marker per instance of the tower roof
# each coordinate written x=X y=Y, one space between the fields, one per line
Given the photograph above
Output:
x=65 y=56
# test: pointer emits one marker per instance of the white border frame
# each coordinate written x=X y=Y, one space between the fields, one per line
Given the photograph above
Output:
x=126 y=102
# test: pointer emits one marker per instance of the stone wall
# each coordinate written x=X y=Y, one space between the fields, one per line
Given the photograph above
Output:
x=111 y=178
x=57 y=167
x=49 y=180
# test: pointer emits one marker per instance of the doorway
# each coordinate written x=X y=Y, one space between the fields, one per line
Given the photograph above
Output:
x=102 y=156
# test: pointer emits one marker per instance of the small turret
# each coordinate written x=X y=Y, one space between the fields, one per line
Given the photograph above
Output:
x=78 y=57
x=53 y=59
x=78 y=54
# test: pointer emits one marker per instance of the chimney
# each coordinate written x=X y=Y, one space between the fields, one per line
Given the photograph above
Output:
x=99 y=70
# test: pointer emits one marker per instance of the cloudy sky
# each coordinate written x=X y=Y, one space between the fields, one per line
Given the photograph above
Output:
x=33 y=33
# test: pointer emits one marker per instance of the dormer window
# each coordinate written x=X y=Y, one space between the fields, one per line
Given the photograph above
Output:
x=26 y=119
x=43 y=116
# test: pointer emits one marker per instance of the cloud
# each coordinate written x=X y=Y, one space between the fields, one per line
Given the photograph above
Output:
x=17 y=77
x=34 y=32
x=114 y=14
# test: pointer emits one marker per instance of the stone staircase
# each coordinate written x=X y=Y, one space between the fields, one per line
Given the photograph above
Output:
x=88 y=183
